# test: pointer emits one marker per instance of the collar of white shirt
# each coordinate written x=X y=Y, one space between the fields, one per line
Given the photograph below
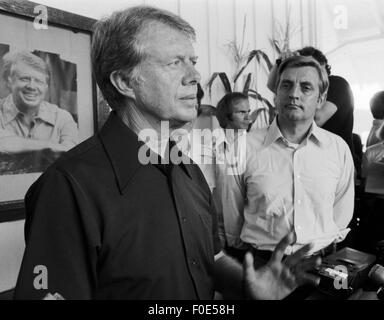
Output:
x=275 y=134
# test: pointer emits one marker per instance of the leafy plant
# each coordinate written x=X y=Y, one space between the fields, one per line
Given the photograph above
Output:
x=279 y=43
x=242 y=60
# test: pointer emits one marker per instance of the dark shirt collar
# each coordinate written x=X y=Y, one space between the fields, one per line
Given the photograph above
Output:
x=122 y=147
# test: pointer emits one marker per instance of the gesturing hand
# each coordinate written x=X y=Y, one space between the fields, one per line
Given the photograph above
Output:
x=278 y=278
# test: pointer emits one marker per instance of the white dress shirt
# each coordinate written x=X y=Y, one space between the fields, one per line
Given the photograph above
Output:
x=229 y=193
x=308 y=188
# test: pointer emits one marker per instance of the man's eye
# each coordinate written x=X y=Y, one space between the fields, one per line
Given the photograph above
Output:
x=175 y=63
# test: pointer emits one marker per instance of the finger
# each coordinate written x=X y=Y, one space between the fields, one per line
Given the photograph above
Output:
x=298 y=255
x=307 y=278
x=308 y=264
x=279 y=251
x=248 y=268
x=289 y=279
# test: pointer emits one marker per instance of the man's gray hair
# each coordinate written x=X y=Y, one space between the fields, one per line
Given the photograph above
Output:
x=116 y=44
x=30 y=59
x=305 y=61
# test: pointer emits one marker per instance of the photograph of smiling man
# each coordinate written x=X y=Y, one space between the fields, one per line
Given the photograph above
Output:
x=33 y=131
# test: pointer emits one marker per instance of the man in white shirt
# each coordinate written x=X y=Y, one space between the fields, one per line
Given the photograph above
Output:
x=298 y=176
x=230 y=150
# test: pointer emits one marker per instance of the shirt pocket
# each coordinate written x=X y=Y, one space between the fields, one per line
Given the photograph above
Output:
x=271 y=214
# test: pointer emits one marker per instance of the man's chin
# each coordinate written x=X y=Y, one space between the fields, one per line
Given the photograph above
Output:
x=30 y=104
x=189 y=115
x=182 y=120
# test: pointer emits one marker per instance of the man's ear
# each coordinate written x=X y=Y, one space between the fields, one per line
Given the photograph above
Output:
x=321 y=100
x=121 y=83
x=8 y=83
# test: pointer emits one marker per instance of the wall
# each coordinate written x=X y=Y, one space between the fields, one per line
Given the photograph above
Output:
x=11 y=252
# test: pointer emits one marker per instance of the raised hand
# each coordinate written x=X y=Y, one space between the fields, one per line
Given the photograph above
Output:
x=279 y=277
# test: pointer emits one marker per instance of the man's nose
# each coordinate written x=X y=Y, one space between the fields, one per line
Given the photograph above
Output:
x=294 y=93
x=32 y=84
x=192 y=76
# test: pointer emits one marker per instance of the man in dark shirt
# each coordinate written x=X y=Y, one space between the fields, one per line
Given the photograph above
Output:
x=103 y=223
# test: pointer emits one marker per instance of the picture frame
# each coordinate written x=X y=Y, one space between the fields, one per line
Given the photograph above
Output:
x=48 y=32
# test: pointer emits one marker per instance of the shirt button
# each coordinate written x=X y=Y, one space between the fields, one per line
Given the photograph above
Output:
x=184 y=219
x=299 y=202
x=298 y=176
x=194 y=262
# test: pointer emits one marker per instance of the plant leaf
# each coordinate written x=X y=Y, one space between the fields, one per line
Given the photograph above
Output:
x=247 y=83
x=257 y=54
x=210 y=82
x=266 y=59
x=257 y=96
x=275 y=45
x=224 y=80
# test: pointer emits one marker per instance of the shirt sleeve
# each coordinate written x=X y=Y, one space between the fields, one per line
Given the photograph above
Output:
x=58 y=241
x=345 y=192
x=68 y=131
x=5 y=133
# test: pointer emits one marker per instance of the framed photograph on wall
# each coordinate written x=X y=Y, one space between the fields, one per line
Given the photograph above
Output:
x=48 y=98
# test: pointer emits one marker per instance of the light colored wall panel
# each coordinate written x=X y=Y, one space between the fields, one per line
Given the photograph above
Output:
x=221 y=33
x=196 y=13
x=263 y=32
x=11 y=253
x=296 y=24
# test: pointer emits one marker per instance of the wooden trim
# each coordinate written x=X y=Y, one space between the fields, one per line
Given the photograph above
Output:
x=13 y=213
x=56 y=17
